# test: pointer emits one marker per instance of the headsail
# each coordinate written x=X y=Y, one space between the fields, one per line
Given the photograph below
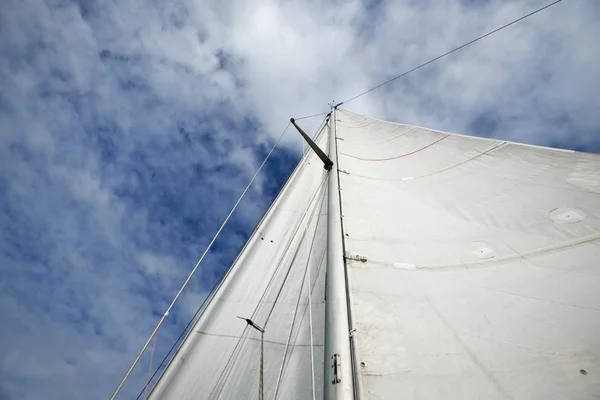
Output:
x=472 y=272
x=279 y=270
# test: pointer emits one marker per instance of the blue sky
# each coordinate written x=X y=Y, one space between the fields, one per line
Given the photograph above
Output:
x=128 y=129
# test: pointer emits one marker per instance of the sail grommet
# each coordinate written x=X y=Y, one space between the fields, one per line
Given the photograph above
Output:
x=363 y=364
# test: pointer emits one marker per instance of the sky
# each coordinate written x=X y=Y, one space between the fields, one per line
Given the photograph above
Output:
x=129 y=128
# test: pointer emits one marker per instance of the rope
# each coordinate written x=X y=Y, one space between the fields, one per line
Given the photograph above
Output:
x=310 y=328
x=400 y=156
x=287 y=344
x=162 y=319
x=452 y=51
x=237 y=348
x=261 y=395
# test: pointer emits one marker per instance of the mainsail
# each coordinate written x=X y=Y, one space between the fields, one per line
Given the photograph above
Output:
x=471 y=270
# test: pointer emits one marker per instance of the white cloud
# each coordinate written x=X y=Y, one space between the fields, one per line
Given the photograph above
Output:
x=129 y=129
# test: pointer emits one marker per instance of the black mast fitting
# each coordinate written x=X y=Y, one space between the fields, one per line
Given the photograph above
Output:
x=252 y=324
x=328 y=164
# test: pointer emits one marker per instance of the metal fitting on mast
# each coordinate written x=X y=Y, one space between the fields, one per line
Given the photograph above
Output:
x=328 y=164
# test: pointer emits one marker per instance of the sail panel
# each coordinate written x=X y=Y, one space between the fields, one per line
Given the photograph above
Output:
x=472 y=262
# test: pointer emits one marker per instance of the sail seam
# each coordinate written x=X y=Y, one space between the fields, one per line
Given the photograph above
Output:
x=407 y=131
x=494 y=147
x=395 y=157
x=486 y=139
x=373 y=263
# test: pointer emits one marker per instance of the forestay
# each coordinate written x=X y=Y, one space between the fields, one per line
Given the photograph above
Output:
x=482 y=271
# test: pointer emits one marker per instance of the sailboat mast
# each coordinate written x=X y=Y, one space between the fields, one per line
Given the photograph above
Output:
x=338 y=382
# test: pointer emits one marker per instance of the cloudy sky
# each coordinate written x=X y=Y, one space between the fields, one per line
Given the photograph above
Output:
x=128 y=129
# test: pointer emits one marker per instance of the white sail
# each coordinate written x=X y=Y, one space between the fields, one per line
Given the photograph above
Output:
x=280 y=268
x=472 y=272
x=482 y=272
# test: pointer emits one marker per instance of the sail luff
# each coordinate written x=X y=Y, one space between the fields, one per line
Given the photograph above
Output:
x=338 y=382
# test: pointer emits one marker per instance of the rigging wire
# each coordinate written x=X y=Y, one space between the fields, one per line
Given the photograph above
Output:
x=187 y=281
x=452 y=51
x=311 y=116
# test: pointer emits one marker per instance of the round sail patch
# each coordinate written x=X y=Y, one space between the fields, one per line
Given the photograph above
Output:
x=567 y=215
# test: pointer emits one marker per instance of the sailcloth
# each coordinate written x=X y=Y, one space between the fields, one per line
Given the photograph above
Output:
x=473 y=271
